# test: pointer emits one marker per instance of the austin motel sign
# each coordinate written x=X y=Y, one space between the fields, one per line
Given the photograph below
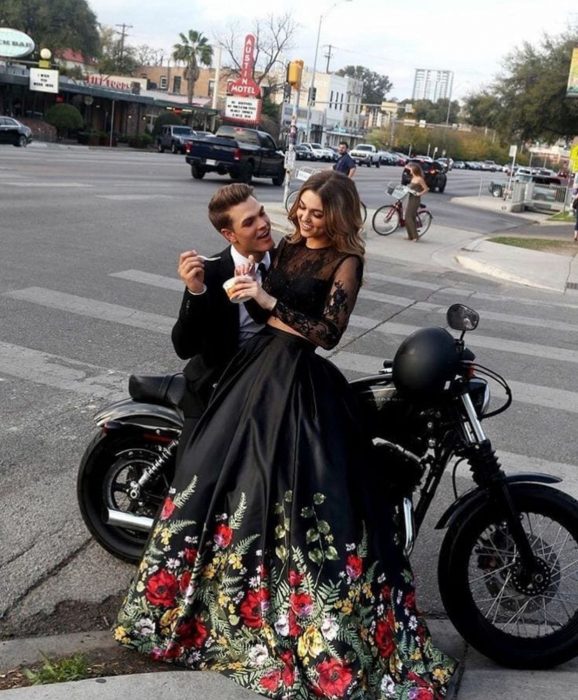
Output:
x=245 y=86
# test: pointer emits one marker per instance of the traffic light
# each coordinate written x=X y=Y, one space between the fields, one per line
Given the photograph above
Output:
x=312 y=95
x=294 y=72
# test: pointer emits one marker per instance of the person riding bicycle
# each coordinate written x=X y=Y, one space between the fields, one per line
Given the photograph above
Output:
x=417 y=187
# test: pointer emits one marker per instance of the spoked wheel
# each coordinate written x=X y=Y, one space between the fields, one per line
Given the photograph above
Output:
x=385 y=220
x=363 y=212
x=423 y=222
x=109 y=465
x=291 y=199
x=522 y=617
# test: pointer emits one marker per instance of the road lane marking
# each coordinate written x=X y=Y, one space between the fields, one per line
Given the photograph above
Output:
x=60 y=373
x=92 y=308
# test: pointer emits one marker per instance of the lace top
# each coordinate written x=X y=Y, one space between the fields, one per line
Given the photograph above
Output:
x=316 y=290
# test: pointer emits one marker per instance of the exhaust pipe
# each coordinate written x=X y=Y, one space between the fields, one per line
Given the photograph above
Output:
x=118 y=518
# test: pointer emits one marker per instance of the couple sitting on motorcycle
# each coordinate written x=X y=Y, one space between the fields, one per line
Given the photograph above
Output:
x=272 y=560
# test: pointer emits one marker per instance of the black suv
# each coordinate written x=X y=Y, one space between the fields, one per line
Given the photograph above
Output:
x=434 y=173
x=12 y=131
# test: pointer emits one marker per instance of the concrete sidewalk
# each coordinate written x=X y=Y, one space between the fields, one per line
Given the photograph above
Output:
x=478 y=678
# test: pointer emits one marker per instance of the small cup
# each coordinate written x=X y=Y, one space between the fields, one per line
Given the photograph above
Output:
x=229 y=287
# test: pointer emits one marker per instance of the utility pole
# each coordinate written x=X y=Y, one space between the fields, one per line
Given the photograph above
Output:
x=122 y=37
x=328 y=56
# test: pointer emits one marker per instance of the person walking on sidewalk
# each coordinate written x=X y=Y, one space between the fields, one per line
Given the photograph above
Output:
x=345 y=164
x=418 y=188
x=275 y=559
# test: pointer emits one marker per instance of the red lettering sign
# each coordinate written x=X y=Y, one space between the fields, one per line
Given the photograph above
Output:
x=248 y=60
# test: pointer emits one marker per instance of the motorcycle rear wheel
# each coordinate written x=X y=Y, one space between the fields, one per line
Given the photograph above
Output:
x=516 y=622
x=110 y=462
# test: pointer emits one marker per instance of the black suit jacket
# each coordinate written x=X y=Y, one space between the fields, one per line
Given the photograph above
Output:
x=207 y=333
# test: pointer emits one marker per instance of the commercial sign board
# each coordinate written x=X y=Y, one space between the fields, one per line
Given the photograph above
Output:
x=574 y=158
x=243 y=109
x=44 y=80
x=246 y=86
x=117 y=82
x=15 y=44
x=572 y=89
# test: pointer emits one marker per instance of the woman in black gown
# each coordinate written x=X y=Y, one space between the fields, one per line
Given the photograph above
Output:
x=267 y=562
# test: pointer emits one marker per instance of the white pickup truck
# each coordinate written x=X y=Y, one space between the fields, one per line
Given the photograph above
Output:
x=365 y=154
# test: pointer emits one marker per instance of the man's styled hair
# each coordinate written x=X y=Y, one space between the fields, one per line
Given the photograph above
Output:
x=225 y=198
x=344 y=143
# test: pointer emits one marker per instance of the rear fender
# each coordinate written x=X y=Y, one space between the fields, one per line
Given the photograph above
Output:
x=144 y=415
x=470 y=500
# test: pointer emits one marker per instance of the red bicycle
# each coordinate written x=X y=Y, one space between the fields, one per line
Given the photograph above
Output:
x=389 y=218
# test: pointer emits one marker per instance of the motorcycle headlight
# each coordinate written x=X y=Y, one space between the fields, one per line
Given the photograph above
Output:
x=479 y=392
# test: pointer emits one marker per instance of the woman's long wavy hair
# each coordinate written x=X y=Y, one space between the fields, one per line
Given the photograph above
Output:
x=341 y=207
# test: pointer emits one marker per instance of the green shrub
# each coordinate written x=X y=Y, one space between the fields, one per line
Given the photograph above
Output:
x=140 y=141
x=64 y=118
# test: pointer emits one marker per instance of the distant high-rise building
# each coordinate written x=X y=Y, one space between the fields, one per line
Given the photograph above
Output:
x=432 y=85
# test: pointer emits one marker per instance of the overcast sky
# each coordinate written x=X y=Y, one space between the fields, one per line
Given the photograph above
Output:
x=393 y=37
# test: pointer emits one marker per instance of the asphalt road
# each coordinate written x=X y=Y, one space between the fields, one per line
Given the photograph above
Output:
x=88 y=294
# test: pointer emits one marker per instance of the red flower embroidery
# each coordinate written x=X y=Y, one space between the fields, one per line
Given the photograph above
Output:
x=223 y=535
x=386 y=593
x=271 y=681
x=301 y=604
x=384 y=639
x=162 y=588
x=410 y=601
x=334 y=677
x=354 y=566
x=168 y=508
x=184 y=581
x=193 y=633
x=294 y=629
x=173 y=651
x=190 y=555
x=421 y=694
x=253 y=606
x=295 y=578
x=288 y=674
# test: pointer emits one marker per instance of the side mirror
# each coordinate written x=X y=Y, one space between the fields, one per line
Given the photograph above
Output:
x=461 y=318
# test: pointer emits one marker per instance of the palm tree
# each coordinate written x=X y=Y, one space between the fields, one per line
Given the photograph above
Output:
x=194 y=49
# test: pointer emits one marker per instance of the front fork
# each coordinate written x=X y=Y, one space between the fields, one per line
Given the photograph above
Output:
x=487 y=473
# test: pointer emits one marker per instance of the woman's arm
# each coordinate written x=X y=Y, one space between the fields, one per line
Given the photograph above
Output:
x=326 y=331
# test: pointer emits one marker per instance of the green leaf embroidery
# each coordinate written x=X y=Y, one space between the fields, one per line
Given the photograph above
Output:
x=318 y=499
x=316 y=555
x=307 y=512
x=323 y=526
x=312 y=535
x=332 y=553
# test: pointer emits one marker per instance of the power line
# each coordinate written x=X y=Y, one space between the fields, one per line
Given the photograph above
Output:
x=123 y=34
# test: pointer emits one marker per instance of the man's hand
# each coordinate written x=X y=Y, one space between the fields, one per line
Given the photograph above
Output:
x=191 y=270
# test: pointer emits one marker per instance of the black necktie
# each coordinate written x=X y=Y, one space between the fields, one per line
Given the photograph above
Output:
x=262 y=268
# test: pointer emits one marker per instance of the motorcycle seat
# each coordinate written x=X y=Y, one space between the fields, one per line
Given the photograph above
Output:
x=164 y=389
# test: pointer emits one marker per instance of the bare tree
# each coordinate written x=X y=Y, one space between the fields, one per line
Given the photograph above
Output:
x=147 y=55
x=273 y=34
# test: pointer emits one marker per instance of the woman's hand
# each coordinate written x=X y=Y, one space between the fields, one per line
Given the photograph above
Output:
x=246 y=269
x=249 y=287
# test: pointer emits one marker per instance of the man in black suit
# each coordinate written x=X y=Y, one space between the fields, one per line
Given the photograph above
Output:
x=210 y=328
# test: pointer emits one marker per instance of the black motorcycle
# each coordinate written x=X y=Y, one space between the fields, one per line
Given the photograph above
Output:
x=508 y=565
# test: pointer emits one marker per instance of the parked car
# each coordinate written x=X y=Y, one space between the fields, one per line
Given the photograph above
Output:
x=316 y=149
x=238 y=151
x=498 y=189
x=433 y=173
x=14 y=132
x=303 y=152
x=365 y=154
x=175 y=138
x=447 y=162
x=459 y=165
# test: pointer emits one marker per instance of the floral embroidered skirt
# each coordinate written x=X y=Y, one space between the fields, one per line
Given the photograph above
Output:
x=269 y=561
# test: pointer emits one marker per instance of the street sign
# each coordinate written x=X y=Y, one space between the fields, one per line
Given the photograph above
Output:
x=513 y=151
x=289 y=159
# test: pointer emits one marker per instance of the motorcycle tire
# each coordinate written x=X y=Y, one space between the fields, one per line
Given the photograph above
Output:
x=517 y=623
x=110 y=462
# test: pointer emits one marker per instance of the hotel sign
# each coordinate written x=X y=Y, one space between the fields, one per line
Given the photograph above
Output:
x=15 y=44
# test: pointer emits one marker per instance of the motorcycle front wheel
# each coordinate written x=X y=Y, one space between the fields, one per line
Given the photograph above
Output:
x=109 y=464
x=519 y=619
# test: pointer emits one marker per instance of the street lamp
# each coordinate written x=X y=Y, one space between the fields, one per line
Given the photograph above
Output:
x=311 y=89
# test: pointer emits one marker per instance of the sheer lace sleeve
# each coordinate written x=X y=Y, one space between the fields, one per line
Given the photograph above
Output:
x=327 y=330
